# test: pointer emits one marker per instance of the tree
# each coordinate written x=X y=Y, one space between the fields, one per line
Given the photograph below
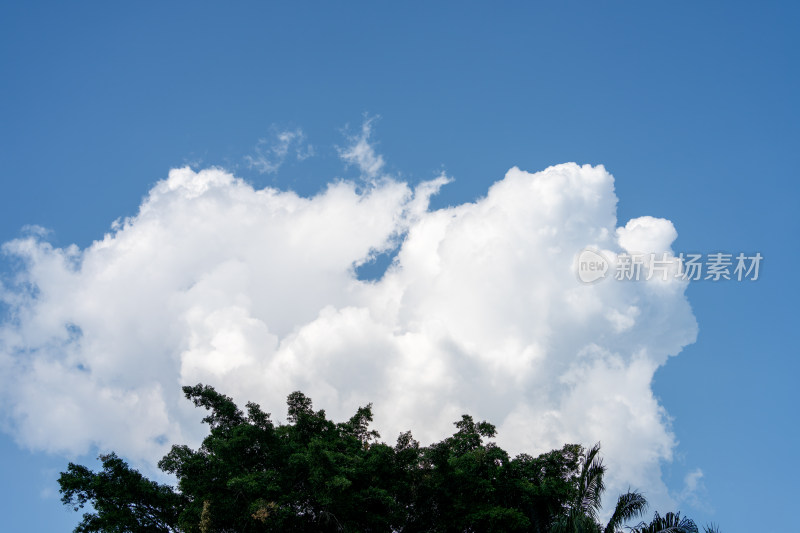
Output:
x=672 y=523
x=629 y=506
x=310 y=475
x=582 y=515
x=464 y=484
x=315 y=475
x=669 y=523
x=123 y=500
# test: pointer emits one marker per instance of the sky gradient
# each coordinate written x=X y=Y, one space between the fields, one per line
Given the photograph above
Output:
x=692 y=110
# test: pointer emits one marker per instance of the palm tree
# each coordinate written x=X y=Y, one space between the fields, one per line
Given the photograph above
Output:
x=672 y=523
x=629 y=506
x=583 y=514
x=669 y=523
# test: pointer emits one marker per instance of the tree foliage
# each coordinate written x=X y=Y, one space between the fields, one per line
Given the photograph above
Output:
x=583 y=512
x=672 y=523
x=311 y=474
x=123 y=500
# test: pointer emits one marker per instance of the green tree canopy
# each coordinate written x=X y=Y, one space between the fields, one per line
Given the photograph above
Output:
x=312 y=474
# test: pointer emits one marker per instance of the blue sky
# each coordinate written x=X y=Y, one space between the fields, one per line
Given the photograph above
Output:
x=692 y=108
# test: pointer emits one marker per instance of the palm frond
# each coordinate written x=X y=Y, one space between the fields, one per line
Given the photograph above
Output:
x=669 y=523
x=630 y=505
x=591 y=485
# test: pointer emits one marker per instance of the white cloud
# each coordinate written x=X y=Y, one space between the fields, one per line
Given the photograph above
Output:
x=361 y=153
x=254 y=292
x=694 y=491
x=647 y=234
x=271 y=153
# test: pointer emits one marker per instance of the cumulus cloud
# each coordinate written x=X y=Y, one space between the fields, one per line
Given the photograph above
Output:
x=271 y=153
x=255 y=292
x=646 y=233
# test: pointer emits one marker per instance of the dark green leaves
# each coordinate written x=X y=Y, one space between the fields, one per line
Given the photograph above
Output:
x=314 y=475
x=123 y=500
x=669 y=523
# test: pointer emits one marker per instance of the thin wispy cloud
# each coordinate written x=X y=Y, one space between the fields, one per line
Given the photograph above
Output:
x=270 y=153
x=360 y=152
x=694 y=491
